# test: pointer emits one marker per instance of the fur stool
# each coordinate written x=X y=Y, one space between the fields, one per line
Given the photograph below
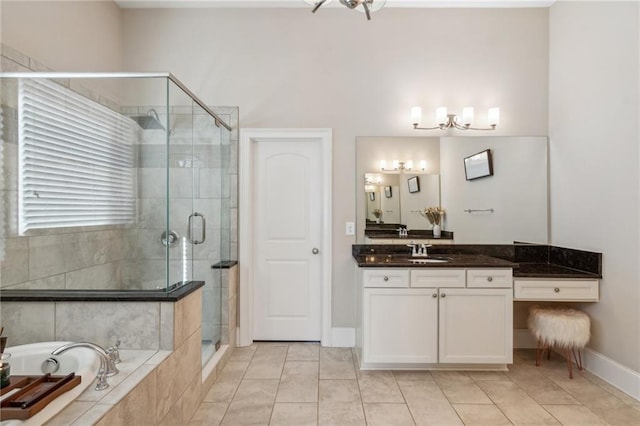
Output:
x=565 y=329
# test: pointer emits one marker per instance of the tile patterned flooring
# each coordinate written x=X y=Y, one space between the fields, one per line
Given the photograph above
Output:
x=303 y=384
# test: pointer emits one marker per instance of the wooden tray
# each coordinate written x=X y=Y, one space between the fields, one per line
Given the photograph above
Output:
x=34 y=393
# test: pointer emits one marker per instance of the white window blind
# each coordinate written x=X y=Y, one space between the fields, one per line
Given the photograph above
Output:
x=75 y=160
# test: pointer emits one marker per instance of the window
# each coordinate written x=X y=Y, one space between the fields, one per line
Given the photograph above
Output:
x=75 y=160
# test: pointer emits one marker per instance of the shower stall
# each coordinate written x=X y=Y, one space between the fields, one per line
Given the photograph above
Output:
x=116 y=182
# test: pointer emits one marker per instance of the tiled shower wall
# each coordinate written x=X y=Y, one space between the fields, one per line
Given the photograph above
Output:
x=95 y=258
x=88 y=258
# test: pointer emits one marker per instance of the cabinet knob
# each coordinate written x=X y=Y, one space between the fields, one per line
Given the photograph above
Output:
x=386 y=278
x=434 y=295
x=443 y=295
x=489 y=279
x=557 y=290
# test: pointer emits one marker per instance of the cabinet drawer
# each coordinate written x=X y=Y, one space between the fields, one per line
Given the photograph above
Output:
x=556 y=290
x=437 y=277
x=385 y=278
x=490 y=278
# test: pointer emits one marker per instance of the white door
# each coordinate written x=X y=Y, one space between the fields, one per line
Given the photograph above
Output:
x=287 y=251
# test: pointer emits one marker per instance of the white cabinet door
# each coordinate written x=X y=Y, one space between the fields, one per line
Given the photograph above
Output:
x=476 y=326
x=400 y=325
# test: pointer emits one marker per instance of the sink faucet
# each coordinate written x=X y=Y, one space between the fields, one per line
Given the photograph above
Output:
x=107 y=365
x=419 y=250
x=402 y=232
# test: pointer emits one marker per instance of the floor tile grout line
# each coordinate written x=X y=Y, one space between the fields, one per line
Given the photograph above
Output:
x=404 y=399
x=275 y=395
x=550 y=374
x=237 y=386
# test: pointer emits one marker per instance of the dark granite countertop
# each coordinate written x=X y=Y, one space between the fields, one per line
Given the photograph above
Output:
x=224 y=264
x=550 y=270
x=528 y=260
x=415 y=234
x=452 y=261
x=178 y=292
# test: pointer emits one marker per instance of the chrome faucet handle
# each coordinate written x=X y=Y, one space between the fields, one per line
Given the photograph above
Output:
x=115 y=354
x=102 y=382
x=112 y=356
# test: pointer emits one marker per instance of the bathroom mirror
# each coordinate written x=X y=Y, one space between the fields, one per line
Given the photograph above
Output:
x=510 y=206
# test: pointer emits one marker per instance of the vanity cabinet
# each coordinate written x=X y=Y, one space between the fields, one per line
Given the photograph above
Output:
x=475 y=326
x=435 y=316
x=556 y=290
x=400 y=325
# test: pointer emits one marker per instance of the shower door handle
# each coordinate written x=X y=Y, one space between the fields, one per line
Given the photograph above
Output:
x=190 y=228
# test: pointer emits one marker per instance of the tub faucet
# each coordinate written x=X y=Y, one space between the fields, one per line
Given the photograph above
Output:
x=107 y=367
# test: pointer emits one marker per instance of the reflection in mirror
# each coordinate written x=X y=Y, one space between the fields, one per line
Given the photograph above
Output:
x=395 y=202
x=382 y=198
x=415 y=202
x=510 y=205
x=424 y=153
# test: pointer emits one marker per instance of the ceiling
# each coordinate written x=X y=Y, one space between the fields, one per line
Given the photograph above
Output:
x=133 y=4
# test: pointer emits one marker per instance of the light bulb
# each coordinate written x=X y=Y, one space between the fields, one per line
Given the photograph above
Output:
x=494 y=116
x=467 y=115
x=441 y=115
x=416 y=115
x=383 y=164
x=423 y=164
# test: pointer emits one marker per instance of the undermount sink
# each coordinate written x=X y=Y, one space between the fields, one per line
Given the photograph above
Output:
x=430 y=260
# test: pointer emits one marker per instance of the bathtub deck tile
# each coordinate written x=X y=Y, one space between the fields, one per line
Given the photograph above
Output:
x=94 y=415
x=120 y=391
x=71 y=413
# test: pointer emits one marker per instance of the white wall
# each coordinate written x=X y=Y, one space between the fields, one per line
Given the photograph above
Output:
x=517 y=191
x=65 y=36
x=594 y=174
x=292 y=68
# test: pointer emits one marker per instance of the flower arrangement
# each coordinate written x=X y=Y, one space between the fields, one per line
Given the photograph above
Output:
x=377 y=213
x=433 y=214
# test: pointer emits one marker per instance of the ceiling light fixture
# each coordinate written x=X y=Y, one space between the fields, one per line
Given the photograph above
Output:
x=446 y=121
x=368 y=6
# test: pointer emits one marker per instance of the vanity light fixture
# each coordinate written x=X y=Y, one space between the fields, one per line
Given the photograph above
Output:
x=401 y=165
x=372 y=179
x=368 y=6
x=447 y=121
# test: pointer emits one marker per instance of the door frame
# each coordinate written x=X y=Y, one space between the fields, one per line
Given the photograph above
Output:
x=248 y=139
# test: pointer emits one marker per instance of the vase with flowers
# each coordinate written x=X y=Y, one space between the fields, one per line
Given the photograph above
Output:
x=434 y=215
x=377 y=213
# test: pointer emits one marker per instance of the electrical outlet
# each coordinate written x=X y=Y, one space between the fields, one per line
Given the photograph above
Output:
x=350 y=229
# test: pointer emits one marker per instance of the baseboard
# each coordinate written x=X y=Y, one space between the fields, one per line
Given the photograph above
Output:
x=523 y=339
x=617 y=375
x=623 y=378
x=343 y=337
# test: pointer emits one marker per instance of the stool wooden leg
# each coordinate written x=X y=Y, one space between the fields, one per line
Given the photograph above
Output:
x=578 y=359
x=539 y=353
x=569 y=363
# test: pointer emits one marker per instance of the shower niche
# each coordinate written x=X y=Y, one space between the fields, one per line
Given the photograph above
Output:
x=116 y=183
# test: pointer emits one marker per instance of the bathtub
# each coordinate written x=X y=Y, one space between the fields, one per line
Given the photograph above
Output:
x=27 y=360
